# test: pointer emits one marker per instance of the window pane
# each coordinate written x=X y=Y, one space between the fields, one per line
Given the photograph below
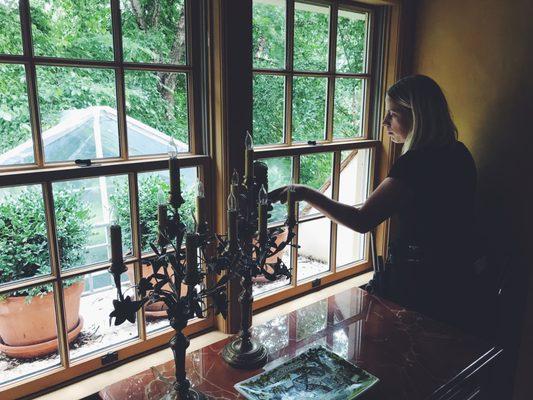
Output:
x=351 y=41
x=269 y=33
x=72 y=29
x=313 y=254
x=29 y=333
x=269 y=109
x=10 y=36
x=350 y=246
x=83 y=211
x=348 y=113
x=78 y=113
x=311 y=37
x=309 y=109
x=153 y=190
x=23 y=234
x=316 y=171
x=279 y=174
x=156 y=104
x=354 y=184
x=95 y=305
x=16 y=146
x=154 y=31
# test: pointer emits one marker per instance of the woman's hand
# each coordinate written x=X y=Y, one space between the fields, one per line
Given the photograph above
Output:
x=299 y=193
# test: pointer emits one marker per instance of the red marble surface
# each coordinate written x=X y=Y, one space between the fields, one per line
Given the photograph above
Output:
x=411 y=355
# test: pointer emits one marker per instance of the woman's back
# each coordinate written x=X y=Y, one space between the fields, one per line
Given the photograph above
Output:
x=440 y=218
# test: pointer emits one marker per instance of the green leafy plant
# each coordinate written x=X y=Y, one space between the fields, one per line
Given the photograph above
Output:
x=153 y=189
x=23 y=235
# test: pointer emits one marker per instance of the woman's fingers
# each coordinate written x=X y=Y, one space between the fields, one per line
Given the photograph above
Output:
x=279 y=194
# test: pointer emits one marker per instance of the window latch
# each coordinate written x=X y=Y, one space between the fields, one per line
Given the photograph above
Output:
x=83 y=162
x=312 y=142
x=109 y=358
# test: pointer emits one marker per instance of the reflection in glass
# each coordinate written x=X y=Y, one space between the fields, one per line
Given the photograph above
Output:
x=279 y=174
x=79 y=120
x=10 y=34
x=309 y=108
x=348 y=108
x=311 y=37
x=354 y=178
x=316 y=170
x=268 y=109
x=313 y=254
x=269 y=33
x=154 y=31
x=351 y=41
x=23 y=234
x=63 y=28
x=274 y=334
x=95 y=306
x=156 y=104
x=28 y=331
x=16 y=146
x=87 y=227
x=311 y=319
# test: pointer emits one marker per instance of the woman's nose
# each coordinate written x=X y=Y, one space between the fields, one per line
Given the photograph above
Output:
x=386 y=121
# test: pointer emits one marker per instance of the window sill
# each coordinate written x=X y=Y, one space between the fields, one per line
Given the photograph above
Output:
x=93 y=384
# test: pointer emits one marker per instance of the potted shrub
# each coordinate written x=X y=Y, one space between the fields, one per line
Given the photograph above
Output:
x=27 y=317
x=153 y=189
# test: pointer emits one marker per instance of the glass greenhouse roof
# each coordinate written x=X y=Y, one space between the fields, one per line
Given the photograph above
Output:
x=92 y=133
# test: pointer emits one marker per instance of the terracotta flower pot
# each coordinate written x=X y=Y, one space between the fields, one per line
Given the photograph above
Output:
x=28 y=327
x=158 y=309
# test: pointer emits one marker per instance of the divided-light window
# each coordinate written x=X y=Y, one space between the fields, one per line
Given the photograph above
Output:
x=312 y=85
x=109 y=83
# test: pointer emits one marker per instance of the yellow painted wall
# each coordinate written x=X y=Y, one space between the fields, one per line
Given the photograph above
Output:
x=481 y=53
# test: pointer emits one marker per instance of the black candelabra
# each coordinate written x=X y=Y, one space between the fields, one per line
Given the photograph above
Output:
x=173 y=269
x=244 y=252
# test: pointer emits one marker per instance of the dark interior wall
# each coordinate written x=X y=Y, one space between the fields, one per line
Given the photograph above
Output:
x=481 y=53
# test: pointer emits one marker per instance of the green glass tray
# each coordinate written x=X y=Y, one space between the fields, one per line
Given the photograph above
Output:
x=317 y=373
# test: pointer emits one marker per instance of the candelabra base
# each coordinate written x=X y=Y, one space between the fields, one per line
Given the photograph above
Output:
x=192 y=395
x=237 y=357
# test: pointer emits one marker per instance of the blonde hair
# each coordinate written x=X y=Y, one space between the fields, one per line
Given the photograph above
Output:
x=432 y=124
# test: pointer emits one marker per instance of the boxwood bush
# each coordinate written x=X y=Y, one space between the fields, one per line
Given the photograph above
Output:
x=23 y=235
x=153 y=189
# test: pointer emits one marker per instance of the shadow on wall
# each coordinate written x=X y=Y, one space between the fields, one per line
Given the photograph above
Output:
x=504 y=161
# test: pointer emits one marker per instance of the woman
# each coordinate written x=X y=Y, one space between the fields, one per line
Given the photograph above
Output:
x=430 y=190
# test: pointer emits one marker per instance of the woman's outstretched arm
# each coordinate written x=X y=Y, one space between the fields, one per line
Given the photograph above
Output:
x=388 y=198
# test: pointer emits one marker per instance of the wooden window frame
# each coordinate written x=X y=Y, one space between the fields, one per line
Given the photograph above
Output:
x=45 y=174
x=225 y=115
x=370 y=139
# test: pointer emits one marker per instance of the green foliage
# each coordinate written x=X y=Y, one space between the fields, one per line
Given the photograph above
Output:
x=311 y=31
x=23 y=234
x=268 y=35
x=153 y=190
x=10 y=39
x=316 y=169
x=268 y=109
x=81 y=29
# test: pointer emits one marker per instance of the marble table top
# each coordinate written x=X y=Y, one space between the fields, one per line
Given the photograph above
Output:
x=413 y=356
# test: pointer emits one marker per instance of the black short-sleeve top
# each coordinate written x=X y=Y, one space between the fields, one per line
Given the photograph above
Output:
x=440 y=217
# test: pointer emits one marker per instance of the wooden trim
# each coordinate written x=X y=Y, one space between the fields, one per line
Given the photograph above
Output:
x=84 y=367
x=53 y=173
x=315 y=74
x=55 y=266
x=306 y=286
x=80 y=63
x=31 y=84
x=303 y=149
